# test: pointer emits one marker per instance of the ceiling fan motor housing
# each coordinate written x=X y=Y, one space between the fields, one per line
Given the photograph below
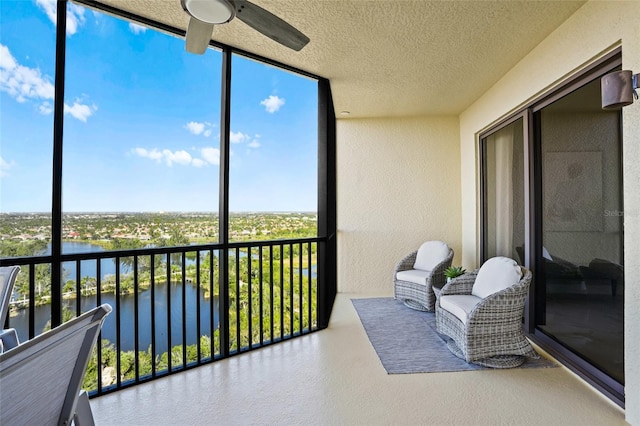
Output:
x=210 y=11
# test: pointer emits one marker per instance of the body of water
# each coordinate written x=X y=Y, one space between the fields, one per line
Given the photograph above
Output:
x=127 y=317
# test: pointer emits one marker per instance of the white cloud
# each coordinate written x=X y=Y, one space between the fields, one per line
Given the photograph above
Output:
x=194 y=127
x=75 y=18
x=24 y=83
x=154 y=154
x=80 y=111
x=197 y=128
x=180 y=157
x=238 y=137
x=75 y=14
x=7 y=61
x=136 y=29
x=198 y=162
x=45 y=108
x=5 y=167
x=50 y=8
x=272 y=103
x=211 y=155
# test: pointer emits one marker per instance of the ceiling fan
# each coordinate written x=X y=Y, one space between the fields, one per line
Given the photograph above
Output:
x=207 y=13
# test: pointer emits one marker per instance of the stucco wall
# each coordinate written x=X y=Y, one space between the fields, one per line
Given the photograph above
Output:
x=592 y=30
x=398 y=186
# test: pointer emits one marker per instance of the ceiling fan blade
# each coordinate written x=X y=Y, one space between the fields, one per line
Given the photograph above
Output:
x=270 y=25
x=198 y=36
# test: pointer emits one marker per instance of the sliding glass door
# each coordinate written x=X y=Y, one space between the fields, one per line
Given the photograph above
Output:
x=551 y=198
x=582 y=280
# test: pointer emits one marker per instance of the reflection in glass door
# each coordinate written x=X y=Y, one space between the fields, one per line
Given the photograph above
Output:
x=503 y=193
x=581 y=254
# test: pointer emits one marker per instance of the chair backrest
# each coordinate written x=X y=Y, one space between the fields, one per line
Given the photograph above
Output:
x=41 y=378
x=496 y=274
x=430 y=254
x=8 y=275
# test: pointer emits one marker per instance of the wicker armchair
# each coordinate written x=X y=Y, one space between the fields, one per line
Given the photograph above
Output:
x=485 y=324
x=417 y=273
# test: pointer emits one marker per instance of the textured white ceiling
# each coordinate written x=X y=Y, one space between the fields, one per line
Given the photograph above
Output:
x=393 y=58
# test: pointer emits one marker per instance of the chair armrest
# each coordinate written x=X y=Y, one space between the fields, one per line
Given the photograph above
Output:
x=460 y=285
x=406 y=263
x=437 y=278
x=8 y=339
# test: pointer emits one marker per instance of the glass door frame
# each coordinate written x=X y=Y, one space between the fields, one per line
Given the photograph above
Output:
x=530 y=114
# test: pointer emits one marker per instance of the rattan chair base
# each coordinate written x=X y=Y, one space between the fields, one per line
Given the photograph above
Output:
x=497 y=361
x=409 y=303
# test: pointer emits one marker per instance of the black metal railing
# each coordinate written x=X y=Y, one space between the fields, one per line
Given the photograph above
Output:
x=175 y=308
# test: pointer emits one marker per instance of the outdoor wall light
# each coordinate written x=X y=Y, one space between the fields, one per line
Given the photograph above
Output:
x=619 y=89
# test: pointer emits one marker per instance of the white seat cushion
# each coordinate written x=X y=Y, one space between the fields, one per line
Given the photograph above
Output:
x=459 y=305
x=496 y=274
x=430 y=254
x=414 y=276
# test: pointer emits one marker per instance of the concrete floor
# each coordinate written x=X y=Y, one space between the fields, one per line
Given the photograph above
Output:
x=334 y=377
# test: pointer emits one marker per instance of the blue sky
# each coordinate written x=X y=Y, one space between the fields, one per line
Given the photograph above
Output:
x=141 y=127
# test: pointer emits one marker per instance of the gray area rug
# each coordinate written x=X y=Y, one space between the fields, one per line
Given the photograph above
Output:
x=406 y=341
